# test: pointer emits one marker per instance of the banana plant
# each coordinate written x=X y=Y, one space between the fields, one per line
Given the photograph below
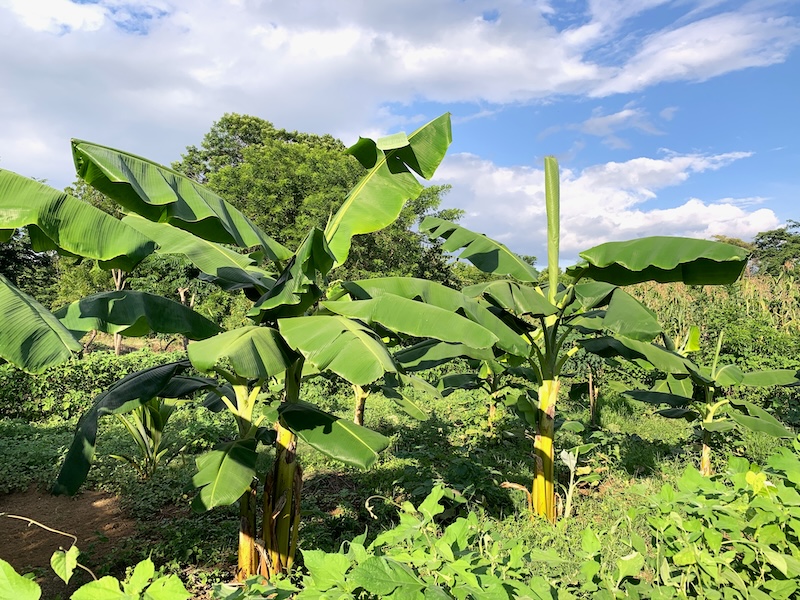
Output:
x=703 y=394
x=294 y=331
x=543 y=318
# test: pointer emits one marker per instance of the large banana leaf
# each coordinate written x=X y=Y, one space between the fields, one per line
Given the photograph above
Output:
x=253 y=352
x=628 y=317
x=443 y=297
x=771 y=377
x=337 y=344
x=636 y=351
x=417 y=319
x=57 y=221
x=757 y=419
x=658 y=398
x=224 y=473
x=225 y=267
x=432 y=353
x=662 y=259
x=296 y=289
x=134 y=314
x=483 y=252
x=509 y=295
x=338 y=438
x=30 y=336
x=127 y=394
x=378 y=198
x=163 y=195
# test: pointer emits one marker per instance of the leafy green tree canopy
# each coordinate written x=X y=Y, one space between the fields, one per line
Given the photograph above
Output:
x=288 y=182
x=777 y=251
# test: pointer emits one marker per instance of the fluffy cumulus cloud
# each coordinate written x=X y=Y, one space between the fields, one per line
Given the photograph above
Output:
x=137 y=69
x=612 y=201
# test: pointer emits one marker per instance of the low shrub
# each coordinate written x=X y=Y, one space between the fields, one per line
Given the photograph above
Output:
x=68 y=389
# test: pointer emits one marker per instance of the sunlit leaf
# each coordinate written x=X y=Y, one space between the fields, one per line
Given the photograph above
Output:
x=379 y=196
x=162 y=195
x=253 y=352
x=338 y=438
x=31 y=338
x=223 y=474
x=340 y=345
x=57 y=221
x=485 y=253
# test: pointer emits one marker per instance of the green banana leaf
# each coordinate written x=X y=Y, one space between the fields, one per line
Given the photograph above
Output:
x=771 y=377
x=127 y=394
x=378 y=198
x=688 y=415
x=593 y=294
x=486 y=254
x=757 y=419
x=338 y=438
x=405 y=403
x=253 y=352
x=337 y=344
x=509 y=295
x=627 y=317
x=438 y=295
x=432 y=353
x=296 y=289
x=633 y=350
x=717 y=426
x=679 y=386
x=163 y=195
x=624 y=316
x=57 y=221
x=224 y=474
x=228 y=269
x=417 y=319
x=459 y=381
x=134 y=314
x=662 y=259
x=31 y=338
x=658 y=398
x=727 y=376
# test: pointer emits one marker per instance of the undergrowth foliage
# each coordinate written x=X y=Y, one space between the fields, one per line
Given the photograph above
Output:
x=67 y=390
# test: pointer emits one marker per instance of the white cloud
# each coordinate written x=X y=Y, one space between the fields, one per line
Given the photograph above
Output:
x=150 y=76
x=706 y=48
x=56 y=15
x=611 y=201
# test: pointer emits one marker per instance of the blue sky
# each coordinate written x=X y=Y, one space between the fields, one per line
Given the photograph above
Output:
x=670 y=117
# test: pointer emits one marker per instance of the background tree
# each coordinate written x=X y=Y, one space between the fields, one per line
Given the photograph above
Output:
x=288 y=182
x=32 y=272
x=777 y=251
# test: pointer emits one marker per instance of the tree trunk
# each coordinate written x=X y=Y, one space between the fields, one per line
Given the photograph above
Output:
x=543 y=488
x=119 y=277
x=361 y=404
x=281 y=517
x=593 y=416
x=705 y=459
x=248 y=557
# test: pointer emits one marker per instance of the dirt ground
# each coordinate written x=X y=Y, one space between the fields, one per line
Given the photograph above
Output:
x=95 y=518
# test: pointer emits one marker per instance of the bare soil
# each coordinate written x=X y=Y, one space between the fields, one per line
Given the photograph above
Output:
x=93 y=517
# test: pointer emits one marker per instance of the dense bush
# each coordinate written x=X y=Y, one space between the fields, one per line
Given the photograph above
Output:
x=67 y=390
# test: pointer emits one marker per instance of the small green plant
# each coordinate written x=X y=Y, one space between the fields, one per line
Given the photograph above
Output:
x=702 y=394
x=737 y=532
x=419 y=558
x=145 y=424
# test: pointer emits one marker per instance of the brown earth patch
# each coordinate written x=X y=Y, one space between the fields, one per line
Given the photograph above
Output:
x=94 y=518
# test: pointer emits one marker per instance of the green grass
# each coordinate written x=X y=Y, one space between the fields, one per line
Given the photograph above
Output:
x=454 y=446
